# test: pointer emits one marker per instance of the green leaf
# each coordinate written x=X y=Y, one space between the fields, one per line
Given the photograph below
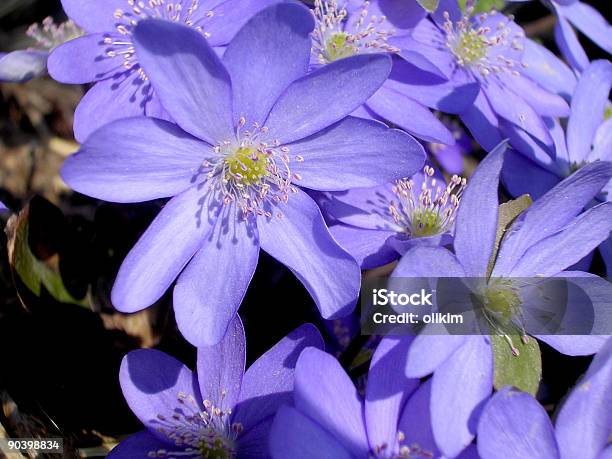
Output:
x=361 y=358
x=508 y=211
x=429 y=5
x=522 y=371
x=484 y=6
x=34 y=273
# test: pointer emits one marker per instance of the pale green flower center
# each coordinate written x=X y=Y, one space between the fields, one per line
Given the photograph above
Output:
x=336 y=36
x=471 y=47
x=427 y=211
x=198 y=431
x=502 y=300
x=251 y=171
x=246 y=165
x=338 y=46
x=471 y=40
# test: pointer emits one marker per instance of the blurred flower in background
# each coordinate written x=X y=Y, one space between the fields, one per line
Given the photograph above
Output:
x=23 y=65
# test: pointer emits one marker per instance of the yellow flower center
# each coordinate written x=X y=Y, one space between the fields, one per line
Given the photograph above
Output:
x=471 y=47
x=215 y=449
x=339 y=46
x=426 y=222
x=502 y=300
x=247 y=166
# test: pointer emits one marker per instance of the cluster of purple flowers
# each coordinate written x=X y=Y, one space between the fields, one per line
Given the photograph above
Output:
x=315 y=133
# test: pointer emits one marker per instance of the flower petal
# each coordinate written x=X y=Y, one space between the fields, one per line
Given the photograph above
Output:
x=297 y=436
x=544 y=102
x=583 y=423
x=587 y=311
x=156 y=386
x=188 y=77
x=415 y=421
x=602 y=143
x=113 y=99
x=276 y=42
x=429 y=262
x=523 y=176
x=268 y=383
x=221 y=367
x=471 y=452
x=368 y=247
x=451 y=96
x=347 y=155
x=204 y=310
x=137 y=446
x=589 y=21
x=327 y=95
x=476 y=222
x=450 y=157
x=387 y=390
x=605 y=249
x=515 y=423
x=459 y=389
x=428 y=352
x=150 y=268
x=301 y=241
x=325 y=393
x=529 y=146
x=136 y=159
x=545 y=217
x=606 y=453
x=574 y=344
x=21 y=66
x=410 y=115
x=519 y=112
x=424 y=47
x=561 y=250
x=361 y=207
x=547 y=69
x=230 y=16
x=569 y=45
x=83 y=60
x=588 y=105
x=398 y=16
x=255 y=442
x=450 y=6
x=93 y=15
x=482 y=122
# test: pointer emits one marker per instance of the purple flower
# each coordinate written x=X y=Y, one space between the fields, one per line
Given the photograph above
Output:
x=535 y=170
x=548 y=237
x=377 y=225
x=450 y=157
x=379 y=26
x=107 y=54
x=488 y=49
x=23 y=65
x=587 y=20
x=236 y=183
x=329 y=419
x=515 y=423
x=220 y=411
